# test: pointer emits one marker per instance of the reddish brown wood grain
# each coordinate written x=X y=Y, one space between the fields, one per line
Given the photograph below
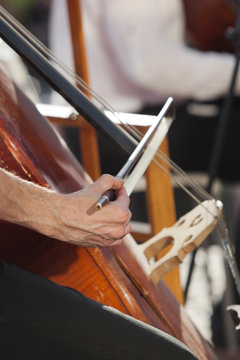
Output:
x=30 y=147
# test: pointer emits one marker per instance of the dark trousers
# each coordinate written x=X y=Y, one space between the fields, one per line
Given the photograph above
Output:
x=42 y=320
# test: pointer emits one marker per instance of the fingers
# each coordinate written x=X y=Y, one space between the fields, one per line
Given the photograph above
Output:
x=107 y=236
x=107 y=233
x=122 y=198
x=106 y=227
x=128 y=229
x=118 y=231
x=121 y=214
x=106 y=182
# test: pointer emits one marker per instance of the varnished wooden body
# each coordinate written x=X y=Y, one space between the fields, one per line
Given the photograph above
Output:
x=30 y=147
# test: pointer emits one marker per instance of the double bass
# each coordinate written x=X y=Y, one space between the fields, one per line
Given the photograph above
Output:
x=207 y=23
x=96 y=272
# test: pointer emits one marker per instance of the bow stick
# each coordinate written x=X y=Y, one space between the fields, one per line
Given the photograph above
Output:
x=133 y=158
x=148 y=155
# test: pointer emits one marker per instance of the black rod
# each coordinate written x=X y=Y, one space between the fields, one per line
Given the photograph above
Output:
x=134 y=157
x=115 y=134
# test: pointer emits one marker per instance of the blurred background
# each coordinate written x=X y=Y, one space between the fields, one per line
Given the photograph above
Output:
x=211 y=288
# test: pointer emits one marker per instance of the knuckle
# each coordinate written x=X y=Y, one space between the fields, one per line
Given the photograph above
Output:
x=129 y=214
x=107 y=178
x=119 y=233
x=123 y=214
x=129 y=230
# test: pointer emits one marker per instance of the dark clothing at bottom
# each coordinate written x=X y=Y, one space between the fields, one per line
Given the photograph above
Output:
x=42 y=320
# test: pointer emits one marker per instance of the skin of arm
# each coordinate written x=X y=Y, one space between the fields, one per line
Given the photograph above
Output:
x=67 y=217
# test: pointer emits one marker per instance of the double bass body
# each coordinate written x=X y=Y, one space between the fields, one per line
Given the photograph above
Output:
x=95 y=272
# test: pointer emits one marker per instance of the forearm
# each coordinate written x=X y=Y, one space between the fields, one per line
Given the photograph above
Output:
x=67 y=217
x=20 y=200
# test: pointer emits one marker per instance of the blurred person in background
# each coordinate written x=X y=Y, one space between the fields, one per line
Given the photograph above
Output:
x=138 y=55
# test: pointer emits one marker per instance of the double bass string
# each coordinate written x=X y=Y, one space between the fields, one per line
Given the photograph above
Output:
x=49 y=56
x=113 y=132
x=106 y=106
x=134 y=133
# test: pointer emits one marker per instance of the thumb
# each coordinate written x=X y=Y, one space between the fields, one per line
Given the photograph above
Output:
x=106 y=182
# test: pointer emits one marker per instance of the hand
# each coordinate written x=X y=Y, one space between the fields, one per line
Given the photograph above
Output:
x=74 y=219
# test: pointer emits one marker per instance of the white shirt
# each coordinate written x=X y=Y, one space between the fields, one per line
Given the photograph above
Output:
x=137 y=54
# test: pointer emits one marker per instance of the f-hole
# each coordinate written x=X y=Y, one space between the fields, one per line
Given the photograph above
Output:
x=196 y=220
x=159 y=248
